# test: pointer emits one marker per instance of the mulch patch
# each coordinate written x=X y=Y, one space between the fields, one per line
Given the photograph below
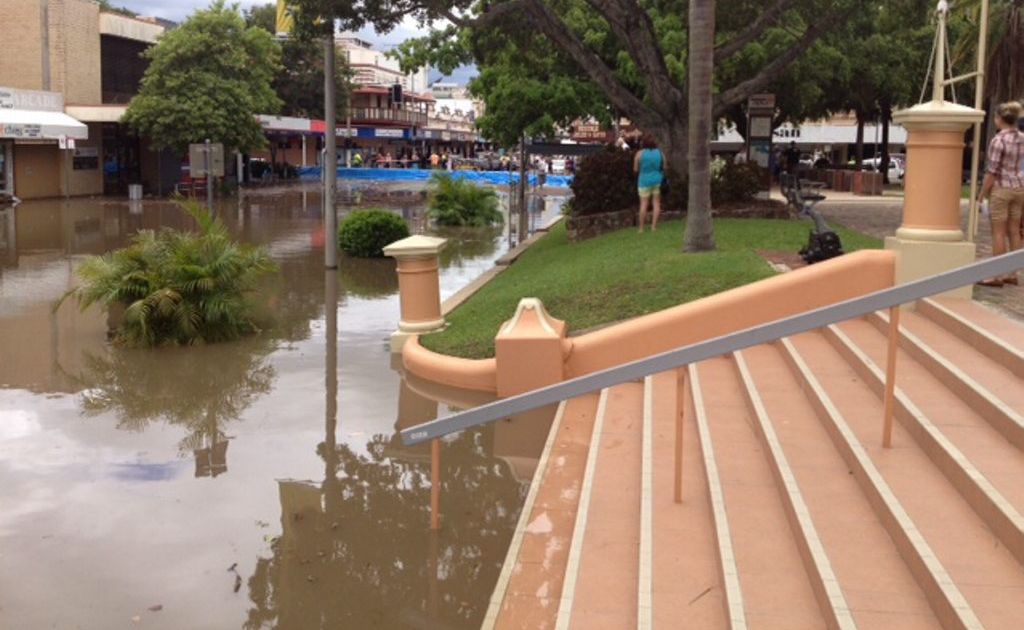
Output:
x=790 y=259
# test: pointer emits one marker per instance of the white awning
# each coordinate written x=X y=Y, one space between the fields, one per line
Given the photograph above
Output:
x=97 y=113
x=26 y=124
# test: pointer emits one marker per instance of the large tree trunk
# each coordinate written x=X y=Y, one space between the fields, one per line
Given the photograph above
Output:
x=886 y=117
x=858 y=153
x=700 y=234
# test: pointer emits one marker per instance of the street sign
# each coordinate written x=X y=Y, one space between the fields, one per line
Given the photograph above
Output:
x=197 y=160
x=761 y=101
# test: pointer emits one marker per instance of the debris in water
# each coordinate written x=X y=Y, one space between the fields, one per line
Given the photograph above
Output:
x=156 y=608
x=232 y=567
x=136 y=619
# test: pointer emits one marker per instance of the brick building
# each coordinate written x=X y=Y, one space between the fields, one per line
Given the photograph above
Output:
x=69 y=69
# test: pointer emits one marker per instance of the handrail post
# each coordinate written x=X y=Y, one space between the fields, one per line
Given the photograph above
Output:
x=680 y=392
x=890 y=376
x=435 y=484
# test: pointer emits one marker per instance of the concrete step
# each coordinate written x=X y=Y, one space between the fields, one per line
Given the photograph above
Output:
x=600 y=589
x=1007 y=332
x=776 y=589
x=976 y=459
x=530 y=584
x=976 y=326
x=970 y=578
x=686 y=576
x=877 y=588
x=987 y=387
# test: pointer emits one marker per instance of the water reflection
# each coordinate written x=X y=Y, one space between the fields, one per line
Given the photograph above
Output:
x=96 y=443
x=188 y=387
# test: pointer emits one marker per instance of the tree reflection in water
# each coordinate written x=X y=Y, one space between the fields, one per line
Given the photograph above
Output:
x=465 y=244
x=199 y=388
x=356 y=551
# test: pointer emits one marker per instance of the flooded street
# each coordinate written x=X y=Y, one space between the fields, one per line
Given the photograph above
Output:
x=244 y=484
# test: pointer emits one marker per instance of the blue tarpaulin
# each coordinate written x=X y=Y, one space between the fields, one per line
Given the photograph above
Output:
x=493 y=178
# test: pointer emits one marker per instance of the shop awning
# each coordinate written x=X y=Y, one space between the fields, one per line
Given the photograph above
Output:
x=28 y=124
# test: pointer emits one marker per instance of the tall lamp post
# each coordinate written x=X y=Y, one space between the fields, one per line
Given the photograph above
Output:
x=330 y=165
x=979 y=102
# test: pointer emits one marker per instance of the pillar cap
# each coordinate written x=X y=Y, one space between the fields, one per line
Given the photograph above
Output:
x=418 y=245
x=938 y=116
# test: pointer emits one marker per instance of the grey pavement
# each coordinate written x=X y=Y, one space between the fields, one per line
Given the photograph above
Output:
x=881 y=216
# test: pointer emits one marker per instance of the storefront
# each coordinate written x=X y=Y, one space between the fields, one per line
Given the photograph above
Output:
x=6 y=167
x=37 y=140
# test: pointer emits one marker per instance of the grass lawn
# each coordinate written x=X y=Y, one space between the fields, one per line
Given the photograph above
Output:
x=621 y=275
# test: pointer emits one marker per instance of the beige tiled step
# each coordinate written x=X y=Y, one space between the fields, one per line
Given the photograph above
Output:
x=1009 y=332
x=777 y=592
x=965 y=323
x=878 y=588
x=686 y=581
x=979 y=567
x=530 y=586
x=987 y=387
x=976 y=459
x=601 y=591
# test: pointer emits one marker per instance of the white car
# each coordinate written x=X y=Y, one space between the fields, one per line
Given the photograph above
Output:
x=896 y=167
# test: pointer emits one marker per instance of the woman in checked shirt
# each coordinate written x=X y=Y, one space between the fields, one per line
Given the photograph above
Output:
x=1004 y=179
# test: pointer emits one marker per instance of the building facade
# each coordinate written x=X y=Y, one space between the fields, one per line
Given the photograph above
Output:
x=70 y=52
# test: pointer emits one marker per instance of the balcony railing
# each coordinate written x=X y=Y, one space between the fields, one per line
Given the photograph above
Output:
x=381 y=114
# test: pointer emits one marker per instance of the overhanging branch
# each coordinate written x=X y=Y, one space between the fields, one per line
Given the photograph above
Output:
x=752 y=32
x=739 y=93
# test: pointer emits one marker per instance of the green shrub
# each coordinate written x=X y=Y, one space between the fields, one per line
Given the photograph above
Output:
x=458 y=202
x=365 y=233
x=735 y=183
x=604 y=182
x=177 y=287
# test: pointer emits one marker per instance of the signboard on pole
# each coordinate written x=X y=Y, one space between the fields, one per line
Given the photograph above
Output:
x=197 y=160
x=760 y=115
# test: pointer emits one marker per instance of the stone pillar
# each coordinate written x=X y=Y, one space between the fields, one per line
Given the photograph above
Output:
x=930 y=239
x=529 y=350
x=419 y=289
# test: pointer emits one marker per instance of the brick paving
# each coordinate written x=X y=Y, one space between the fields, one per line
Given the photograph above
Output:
x=881 y=216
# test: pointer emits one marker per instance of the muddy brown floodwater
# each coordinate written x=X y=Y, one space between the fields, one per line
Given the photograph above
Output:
x=246 y=484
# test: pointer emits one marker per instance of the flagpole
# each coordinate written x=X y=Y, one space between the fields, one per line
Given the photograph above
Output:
x=979 y=102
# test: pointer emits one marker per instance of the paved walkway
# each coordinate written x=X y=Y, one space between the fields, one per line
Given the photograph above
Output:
x=880 y=216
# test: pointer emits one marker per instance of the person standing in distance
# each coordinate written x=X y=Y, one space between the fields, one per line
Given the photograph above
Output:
x=649 y=166
x=1004 y=185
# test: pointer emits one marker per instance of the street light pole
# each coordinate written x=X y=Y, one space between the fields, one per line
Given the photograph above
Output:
x=330 y=164
x=979 y=102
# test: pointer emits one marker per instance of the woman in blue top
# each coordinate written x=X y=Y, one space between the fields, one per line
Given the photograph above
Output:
x=648 y=165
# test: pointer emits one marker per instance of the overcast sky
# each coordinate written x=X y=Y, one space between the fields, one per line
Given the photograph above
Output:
x=178 y=10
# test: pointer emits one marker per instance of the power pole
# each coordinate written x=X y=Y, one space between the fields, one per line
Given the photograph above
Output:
x=330 y=165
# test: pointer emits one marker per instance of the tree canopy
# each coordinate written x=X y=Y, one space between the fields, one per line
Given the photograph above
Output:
x=299 y=82
x=208 y=78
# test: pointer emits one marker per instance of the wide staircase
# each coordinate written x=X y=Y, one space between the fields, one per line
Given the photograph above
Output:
x=792 y=514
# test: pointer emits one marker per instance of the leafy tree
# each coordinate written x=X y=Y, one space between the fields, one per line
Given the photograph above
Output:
x=177 y=288
x=208 y=78
x=299 y=81
x=1004 y=66
x=635 y=54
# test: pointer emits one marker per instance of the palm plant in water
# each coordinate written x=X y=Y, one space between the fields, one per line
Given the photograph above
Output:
x=177 y=287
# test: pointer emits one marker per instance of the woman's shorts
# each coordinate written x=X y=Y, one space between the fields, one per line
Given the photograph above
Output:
x=1007 y=204
x=649 y=191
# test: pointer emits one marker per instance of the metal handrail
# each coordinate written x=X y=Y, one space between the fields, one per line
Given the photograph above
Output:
x=718 y=346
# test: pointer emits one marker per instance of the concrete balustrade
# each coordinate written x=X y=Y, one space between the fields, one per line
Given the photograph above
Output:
x=930 y=240
x=418 y=286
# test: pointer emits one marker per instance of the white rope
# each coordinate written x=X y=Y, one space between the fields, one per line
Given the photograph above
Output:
x=931 y=64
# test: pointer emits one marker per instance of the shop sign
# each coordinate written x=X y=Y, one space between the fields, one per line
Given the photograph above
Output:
x=85 y=158
x=389 y=133
x=21 y=131
x=31 y=99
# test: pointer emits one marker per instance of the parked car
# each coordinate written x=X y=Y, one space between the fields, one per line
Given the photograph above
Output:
x=896 y=167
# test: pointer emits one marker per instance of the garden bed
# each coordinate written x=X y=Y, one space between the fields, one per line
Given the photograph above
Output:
x=621 y=275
